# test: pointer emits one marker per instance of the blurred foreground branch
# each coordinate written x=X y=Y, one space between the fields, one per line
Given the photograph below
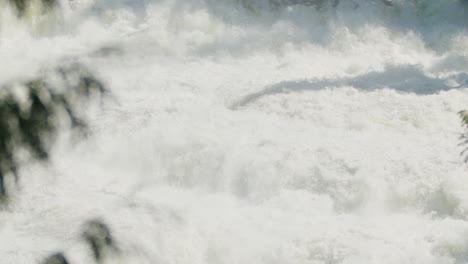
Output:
x=97 y=236
x=464 y=136
x=30 y=114
x=22 y=6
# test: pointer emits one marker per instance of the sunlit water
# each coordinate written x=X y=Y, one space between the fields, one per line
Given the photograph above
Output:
x=240 y=132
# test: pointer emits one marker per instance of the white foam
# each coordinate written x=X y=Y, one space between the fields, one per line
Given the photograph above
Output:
x=252 y=135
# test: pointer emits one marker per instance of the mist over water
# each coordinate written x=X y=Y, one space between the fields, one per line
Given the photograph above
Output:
x=250 y=131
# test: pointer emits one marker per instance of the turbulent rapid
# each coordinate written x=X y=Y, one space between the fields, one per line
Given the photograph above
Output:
x=249 y=131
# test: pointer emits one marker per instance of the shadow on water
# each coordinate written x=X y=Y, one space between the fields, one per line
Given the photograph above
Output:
x=407 y=79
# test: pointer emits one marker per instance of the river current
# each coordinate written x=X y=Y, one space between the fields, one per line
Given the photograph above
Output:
x=264 y=132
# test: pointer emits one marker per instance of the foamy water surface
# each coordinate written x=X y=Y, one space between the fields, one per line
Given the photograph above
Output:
x=246 y=132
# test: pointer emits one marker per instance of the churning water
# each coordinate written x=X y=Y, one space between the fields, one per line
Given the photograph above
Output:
x=251 y=132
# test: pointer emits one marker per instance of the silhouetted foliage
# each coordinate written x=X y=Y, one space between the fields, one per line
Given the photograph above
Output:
x=464 y=136
x=31 y=113
x=22 y=5
x=57 y=258
x=98 y=236
x=29 y=122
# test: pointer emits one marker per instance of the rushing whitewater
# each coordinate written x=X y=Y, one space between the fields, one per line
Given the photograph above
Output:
x=244 y=131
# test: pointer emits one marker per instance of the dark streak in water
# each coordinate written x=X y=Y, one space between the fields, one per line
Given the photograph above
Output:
x=407 y=79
